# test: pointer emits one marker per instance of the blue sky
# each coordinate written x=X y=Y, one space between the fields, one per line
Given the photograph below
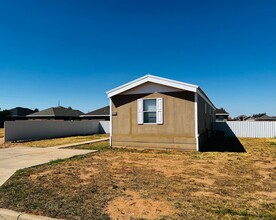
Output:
x=74 y=51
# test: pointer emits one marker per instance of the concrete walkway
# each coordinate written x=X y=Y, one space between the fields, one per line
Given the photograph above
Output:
x=15 y=158
x=6 y=214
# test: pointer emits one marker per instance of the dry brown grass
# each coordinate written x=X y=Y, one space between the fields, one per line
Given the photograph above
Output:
x=1 y=136
x=129 y=184
x=57 y=141
x=1 y=132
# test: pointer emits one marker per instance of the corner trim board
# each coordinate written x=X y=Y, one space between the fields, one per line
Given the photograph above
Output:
x=110 y=125
x=196 y=122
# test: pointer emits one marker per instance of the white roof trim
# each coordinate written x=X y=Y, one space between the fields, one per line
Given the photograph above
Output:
x=50 y=116
x=107 y=115
x=40 y=115
x=205 y=97
x=161 y=81
x=153 y=79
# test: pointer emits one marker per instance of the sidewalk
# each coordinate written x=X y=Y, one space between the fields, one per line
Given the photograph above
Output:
x=6 y=214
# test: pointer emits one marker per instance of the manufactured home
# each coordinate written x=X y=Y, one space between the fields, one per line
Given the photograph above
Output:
x=155 y=112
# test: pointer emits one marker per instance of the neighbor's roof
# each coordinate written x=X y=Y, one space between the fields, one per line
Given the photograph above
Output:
x=160 y=81
x=221 y=112
x=266 y=118
x=57 y=112
x=99 y=112
x=20 y=111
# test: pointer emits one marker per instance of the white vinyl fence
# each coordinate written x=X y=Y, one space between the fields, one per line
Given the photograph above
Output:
x=28 y=130
x=249 y=129
x=104 y=127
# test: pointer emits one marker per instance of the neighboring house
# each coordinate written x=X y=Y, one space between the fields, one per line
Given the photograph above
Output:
x=221 y=115
x=266 y=118
x=155 y=112
x=99 y=114
x=258 y=117
x=57 y=113
x=20 y=113
x=249 y=118
x=240 y=118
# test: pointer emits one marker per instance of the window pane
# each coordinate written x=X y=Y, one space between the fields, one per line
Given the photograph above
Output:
x=150 y=105
x=149 y=117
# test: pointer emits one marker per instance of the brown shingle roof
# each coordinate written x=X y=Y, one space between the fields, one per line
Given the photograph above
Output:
x=19 y=111
x=221 y=111
x=57 y=112
x=266 y=118
x=100 y=112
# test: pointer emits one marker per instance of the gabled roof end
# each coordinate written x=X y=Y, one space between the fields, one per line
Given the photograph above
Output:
x=153 y=79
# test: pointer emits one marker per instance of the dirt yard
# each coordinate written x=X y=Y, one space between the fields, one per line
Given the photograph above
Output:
x=54 y=141
x=129 y=184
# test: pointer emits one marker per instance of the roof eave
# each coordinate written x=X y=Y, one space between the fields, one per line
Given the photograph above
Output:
x=153 y=79
x=161 y=81
x=206 y=98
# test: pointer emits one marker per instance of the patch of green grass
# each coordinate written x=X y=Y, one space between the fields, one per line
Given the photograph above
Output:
x=103 y=146
x=245 y=214
x=62 y=140
x=77 y=157
x=53 y=162
x=100 y=146
x=232 y=212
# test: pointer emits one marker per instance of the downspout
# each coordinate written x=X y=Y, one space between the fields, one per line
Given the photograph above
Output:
x=110 y=124
x=196 y=121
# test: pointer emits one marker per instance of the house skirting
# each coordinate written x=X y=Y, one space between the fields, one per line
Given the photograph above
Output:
x=161 y=142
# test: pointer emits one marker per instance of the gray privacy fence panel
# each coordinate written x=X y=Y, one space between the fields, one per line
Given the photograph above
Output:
x=250 y=129
x=27 y=130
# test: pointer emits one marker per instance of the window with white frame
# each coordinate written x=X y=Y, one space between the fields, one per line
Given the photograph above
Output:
x=150 y=111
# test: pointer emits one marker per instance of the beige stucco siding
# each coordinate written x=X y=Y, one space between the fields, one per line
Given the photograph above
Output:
x=177 y=131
